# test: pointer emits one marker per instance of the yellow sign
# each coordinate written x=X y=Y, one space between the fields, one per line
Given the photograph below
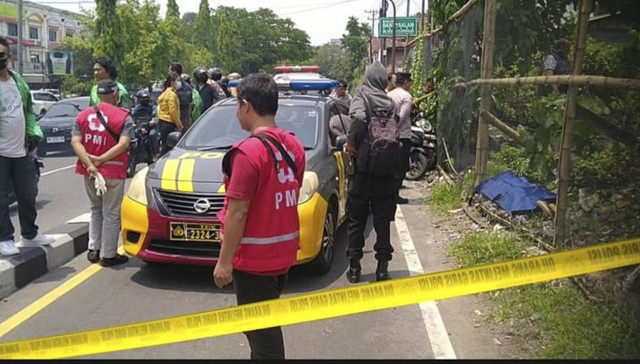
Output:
x=329 y=304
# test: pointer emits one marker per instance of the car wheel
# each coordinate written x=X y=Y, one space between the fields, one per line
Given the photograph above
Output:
x=323 y=261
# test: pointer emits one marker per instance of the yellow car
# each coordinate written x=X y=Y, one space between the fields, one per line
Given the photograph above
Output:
x=169 y=211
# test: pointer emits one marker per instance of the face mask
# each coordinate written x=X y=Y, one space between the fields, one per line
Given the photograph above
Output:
x=3 y=64
x=178 y=85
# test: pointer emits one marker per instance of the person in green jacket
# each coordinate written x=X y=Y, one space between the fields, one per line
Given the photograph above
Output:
x=105 y=69
x=19 y=136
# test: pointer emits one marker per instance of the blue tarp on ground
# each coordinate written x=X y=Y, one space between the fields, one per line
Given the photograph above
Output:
x=514 y=194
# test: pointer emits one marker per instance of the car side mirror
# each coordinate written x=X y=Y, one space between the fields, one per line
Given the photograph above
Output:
x=173 y=138
x=341 y=140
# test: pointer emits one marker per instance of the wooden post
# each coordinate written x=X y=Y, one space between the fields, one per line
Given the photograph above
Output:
x=482 y=144
x=569 y=121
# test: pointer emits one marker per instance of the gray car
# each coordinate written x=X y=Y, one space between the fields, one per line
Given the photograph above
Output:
x=57 y=122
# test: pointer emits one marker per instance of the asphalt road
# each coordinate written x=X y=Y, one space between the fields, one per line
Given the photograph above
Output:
x=135 y=292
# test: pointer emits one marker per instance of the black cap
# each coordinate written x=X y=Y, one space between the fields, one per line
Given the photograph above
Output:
x=107 y=87
x=401 y=76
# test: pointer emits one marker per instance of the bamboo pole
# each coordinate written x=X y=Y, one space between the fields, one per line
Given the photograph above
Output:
x=569 y=121
x=504 y=128
x=482 y=143
x=462 y=11
x=571 y=80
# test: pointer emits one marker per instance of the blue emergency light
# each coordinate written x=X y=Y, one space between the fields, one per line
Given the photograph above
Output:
x=300 y=85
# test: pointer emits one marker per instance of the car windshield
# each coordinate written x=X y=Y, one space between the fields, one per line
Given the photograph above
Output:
x=219 y=127
x=63 y=109
x=41 y=96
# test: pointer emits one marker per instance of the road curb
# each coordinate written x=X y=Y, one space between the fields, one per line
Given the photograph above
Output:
x=34 y=262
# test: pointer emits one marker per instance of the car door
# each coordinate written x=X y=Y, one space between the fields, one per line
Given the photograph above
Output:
x=342 y=163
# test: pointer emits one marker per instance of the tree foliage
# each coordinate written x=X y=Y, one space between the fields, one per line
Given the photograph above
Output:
x=108 y=40
x=355 y=41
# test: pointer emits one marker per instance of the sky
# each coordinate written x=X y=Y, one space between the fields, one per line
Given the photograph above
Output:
x=323 y=20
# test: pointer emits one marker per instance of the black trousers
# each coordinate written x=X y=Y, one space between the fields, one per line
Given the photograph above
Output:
x=403 y=163
x=165 y=129
x=265 y=343
x=375 y=195
x=19 y=175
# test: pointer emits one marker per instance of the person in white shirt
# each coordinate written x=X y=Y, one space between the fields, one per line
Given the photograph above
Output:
x=403 y=102
x=341 y=92
x=19 y=136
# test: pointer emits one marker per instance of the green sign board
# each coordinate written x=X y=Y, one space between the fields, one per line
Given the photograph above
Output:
x=405 y=26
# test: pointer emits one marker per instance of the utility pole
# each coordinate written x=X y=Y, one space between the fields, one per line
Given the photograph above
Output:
x=422 y=18
x=383 y=46
x=406 y=39
x=373 y=24
x=20 y=66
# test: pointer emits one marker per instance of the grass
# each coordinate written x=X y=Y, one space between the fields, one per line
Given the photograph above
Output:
x=444 y=197
x=551 y=320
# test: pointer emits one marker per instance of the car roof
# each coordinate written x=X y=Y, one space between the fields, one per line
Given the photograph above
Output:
x=41 y=92
x=74 y=100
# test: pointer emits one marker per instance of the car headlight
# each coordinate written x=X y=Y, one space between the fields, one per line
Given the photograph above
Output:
x=309 y=187
x=138 y=189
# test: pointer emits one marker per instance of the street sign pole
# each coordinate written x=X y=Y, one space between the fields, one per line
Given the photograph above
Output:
x=393 y=42
x=20 y=66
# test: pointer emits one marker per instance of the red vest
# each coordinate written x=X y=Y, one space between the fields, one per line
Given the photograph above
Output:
x=272 y=231
x=97 y=140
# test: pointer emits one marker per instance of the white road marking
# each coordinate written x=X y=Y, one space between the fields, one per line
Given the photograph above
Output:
x=57 y=170
x=81 y=219
x=437 y=332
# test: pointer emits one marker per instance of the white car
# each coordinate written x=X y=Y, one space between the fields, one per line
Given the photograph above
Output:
x=42 y=101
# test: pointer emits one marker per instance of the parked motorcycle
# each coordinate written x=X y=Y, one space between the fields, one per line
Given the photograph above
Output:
x=423 y=156
x=144 y=147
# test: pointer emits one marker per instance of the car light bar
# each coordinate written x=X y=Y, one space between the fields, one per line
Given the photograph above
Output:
x=286 y=69
x=300 y=85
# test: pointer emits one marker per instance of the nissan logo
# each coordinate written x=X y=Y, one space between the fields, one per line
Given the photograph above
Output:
x=55 y=130
x=202 y=205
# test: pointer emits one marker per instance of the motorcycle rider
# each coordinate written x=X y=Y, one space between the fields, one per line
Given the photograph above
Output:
x=145 y=112
x=207 y=93
x=218 y=85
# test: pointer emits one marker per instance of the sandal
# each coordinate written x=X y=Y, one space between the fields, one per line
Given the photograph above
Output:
x=93 y=255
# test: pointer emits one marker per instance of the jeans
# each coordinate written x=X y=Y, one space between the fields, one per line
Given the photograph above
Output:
x=375 y=195
x=265 y=343
x=22 y=172
x=104 y=226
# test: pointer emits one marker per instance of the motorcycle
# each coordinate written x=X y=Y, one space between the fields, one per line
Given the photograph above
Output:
x=422 y=156
x=143 y=147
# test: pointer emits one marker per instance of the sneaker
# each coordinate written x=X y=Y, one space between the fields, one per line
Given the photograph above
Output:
x=38 y=240
x=8 y=247
x=118 y=259
x=93 y=255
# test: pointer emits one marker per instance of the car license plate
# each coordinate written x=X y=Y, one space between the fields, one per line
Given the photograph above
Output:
x=181 y=231
x=55 y=139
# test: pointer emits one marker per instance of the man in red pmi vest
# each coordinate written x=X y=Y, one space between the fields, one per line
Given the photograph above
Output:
x=100 y=139
x=260 y=227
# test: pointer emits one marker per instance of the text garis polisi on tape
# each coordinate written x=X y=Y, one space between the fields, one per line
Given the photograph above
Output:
x=329 y=304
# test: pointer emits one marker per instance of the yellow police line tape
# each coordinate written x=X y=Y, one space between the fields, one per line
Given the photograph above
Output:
x=329 y=304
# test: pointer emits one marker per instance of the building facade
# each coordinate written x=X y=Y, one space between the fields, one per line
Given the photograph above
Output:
x=44 y=28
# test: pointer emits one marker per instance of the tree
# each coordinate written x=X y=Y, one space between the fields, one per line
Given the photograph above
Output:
x=108 y=40
x=203 y=32
x=228 y=45
x=171 y=27
x=355 y=43
x=333 y=62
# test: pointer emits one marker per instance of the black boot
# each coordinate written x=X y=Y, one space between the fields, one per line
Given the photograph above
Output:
x=353 y=274
x=381 y=272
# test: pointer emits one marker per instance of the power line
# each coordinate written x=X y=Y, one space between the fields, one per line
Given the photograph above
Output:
x=320 y=7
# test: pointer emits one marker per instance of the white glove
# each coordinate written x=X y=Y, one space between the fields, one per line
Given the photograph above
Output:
x=100 y=184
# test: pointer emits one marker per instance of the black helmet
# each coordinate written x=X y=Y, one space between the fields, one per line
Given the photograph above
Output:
x=200 y=74
x=215 y=73
x=143 y=97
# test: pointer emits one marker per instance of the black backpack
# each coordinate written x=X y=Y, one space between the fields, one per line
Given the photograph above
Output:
x=379 y=152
